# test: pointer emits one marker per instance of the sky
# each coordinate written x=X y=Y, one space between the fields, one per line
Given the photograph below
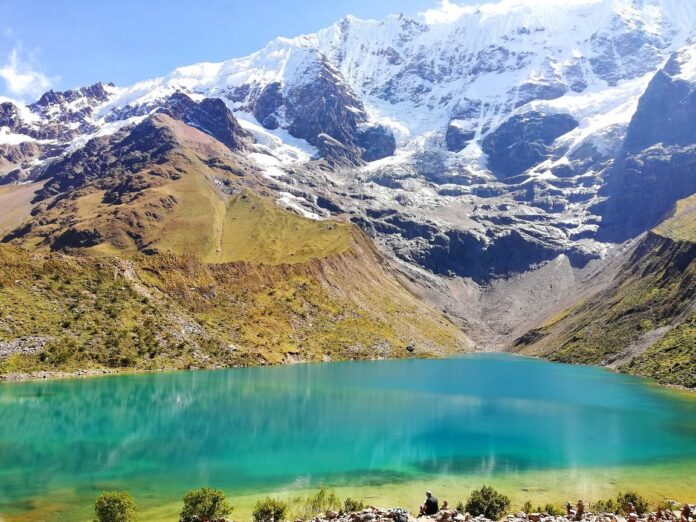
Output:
x=63 y=44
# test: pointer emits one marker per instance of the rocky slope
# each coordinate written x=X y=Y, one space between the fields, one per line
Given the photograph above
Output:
x=484 y=128
x=66 y=313
x=161 y=246
x=643 y=322
x=503 y=153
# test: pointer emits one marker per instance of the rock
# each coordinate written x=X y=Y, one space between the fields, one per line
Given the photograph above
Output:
x=211 y=116
x=377 y=142
x=338 y=154
x=458 y=135
x=523 y=141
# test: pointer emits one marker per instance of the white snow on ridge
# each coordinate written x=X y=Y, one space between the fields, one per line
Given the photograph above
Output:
x=9 y=138
x=687 y=63
x=466 y=63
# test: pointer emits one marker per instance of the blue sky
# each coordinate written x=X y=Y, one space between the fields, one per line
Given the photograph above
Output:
x=62 y=44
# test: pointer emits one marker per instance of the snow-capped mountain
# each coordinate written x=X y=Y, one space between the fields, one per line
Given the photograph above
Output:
x=475 y=140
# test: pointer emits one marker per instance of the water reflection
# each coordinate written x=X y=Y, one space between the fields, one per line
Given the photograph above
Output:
x=381 y=421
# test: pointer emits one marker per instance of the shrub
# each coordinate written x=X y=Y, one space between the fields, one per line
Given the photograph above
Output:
x=527 y=507
x=205 y=503
x=487 y=502
x=269 y=509
x=114 y=506
x=604 y=506
x=623 y=500
x=552 y=510
x=351 y=506
x=460 y=507
x=323 y=500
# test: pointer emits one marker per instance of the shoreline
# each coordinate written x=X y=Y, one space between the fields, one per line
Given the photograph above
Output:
x=56 y=375
x=555 y=487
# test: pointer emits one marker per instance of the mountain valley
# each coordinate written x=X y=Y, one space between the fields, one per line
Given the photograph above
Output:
x=502 y=177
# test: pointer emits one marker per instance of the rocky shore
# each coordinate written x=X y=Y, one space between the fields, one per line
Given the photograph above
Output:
x=41 y=375
x=374 y=514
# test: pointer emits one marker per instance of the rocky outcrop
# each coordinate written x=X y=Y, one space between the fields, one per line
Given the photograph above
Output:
x=656 y=166
x=666 y=112
x=96 y=92
x=376 y=142
x=211 y=116
x=524 y=141
x=458 y=136
x=642 y=187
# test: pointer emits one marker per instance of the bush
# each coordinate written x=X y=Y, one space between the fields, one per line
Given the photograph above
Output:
x=269 y=509
x=527 y=507
x=114 y=506
x=552 y=510
x=205 y=503
x=323 y=500
x=351 y=506
x=487 y=502
x=604 y=506
x=623 y=500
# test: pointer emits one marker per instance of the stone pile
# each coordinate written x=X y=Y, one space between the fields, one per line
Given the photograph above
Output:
x=370 y=514
x=577 y=514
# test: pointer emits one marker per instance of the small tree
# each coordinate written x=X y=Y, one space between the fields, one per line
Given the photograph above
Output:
x=205 y=503
x=624 y=501
x=527 y=507
x=114 y=506
x=269 y=509
x=487 y=502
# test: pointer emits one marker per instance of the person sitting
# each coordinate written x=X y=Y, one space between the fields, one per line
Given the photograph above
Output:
x=430 y=506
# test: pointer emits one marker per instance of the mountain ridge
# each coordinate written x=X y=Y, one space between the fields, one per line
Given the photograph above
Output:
x=499 y=155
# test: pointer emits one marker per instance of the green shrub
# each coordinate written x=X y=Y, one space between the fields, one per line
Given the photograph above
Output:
x=114 y=506
x=552 y=510
x=604 y=506
x=206 y=503
x=623 y=500
x=351 y=506
x=487 y=502
x=460 y=507
x=323 y=500
x=527 y=507
x=269 y=509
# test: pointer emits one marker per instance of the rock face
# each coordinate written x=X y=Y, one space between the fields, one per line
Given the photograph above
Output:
x=376 y=141
x=457 y=136
x=524 y=141
x=211 y=116
x=473 y=142
x=656 y=166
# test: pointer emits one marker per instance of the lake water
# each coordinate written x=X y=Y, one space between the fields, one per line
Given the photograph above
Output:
x=369 y=428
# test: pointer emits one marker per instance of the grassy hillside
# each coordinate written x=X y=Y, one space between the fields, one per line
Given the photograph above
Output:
x=165 y=311
x=196 y=198
x=643 y=323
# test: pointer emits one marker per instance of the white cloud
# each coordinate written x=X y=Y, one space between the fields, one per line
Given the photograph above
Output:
x=447 y=12
x=21 y=77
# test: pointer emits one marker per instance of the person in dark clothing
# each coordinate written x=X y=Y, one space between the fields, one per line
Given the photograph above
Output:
x=430 y=506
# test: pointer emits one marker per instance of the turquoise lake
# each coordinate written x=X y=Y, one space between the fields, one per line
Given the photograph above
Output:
x=353 y=425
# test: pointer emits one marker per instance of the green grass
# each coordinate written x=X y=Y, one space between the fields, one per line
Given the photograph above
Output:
x=671 y=360
x=681 y=225
x=653 y=290
x=112 y=313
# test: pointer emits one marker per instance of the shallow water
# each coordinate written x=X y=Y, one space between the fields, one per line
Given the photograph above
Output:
x=360 y=426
